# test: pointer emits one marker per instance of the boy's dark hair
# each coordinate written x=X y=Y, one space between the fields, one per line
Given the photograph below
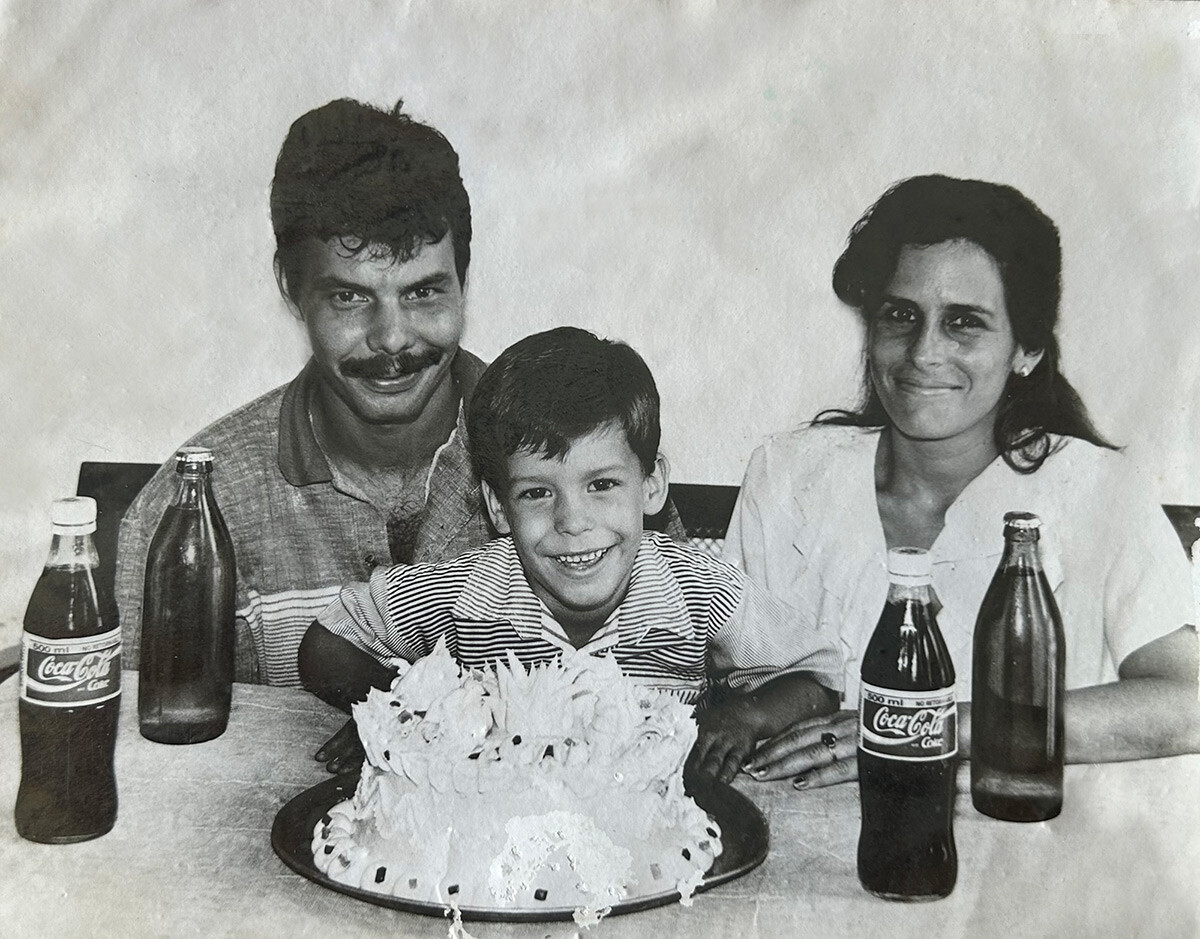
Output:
x=548 y=390
x=367 y=177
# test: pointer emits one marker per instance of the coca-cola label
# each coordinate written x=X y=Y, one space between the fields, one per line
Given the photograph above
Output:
x=70 y=673
x=908 y=725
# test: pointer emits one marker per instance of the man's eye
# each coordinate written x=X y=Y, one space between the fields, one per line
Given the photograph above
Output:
x=604 y=485
x=534 y=493
x=421 y=293
x=347 y=297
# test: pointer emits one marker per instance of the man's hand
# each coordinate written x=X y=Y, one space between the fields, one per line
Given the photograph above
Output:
x=343 y=752
x=727 y=736
x=820 y=751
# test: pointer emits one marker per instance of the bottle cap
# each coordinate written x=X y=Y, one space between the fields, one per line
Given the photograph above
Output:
x=1025 y=521
x=911 y=566
x=201 y=457
x=194 y=455
x=75 y=515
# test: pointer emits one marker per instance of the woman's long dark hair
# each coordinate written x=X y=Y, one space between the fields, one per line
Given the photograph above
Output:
x=929 y=210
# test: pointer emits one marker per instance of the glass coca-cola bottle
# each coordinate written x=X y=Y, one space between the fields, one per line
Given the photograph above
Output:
x=70 y=691
x=907 y=741
x=185 y=682
x=1017 y=686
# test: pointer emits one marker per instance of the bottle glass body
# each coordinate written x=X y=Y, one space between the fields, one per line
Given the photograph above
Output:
x=187 y=656
x=907 y=744
x=69 y=702
x=1019 y=662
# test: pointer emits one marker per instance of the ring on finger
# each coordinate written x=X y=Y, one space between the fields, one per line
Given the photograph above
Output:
x=829 y=738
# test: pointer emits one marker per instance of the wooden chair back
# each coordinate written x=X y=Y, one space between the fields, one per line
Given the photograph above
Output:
x=114 y=486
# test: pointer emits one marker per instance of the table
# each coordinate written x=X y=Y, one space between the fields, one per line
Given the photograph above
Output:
x=190 y=854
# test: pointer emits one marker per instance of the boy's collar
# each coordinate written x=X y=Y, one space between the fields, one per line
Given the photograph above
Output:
x=603 y=639
x=497 y=591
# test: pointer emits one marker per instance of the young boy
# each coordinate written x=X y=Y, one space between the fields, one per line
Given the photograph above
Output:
x=563 y=430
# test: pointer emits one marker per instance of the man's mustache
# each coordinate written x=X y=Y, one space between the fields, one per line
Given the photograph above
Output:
x=390 y=366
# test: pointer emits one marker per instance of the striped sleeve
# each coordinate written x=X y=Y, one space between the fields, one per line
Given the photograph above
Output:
x=763 y=638
x=401 y=612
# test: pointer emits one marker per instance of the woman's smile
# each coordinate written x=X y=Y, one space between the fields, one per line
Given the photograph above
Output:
x=925 y=388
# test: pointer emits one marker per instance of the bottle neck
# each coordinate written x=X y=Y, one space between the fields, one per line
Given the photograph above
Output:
x=1021 y=552
x=72 y=552
x=193 y=486
x=903 y=592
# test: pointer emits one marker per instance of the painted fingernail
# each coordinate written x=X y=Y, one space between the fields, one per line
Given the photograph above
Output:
x=800 y=782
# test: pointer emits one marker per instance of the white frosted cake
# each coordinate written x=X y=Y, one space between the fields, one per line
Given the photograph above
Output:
x=560 y=787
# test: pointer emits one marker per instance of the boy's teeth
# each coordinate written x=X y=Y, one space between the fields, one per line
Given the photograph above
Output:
x=580 y=558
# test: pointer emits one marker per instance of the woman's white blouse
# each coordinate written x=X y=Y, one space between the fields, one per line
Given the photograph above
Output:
x=807 y=526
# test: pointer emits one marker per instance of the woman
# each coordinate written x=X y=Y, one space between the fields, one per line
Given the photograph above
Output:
x=965 y=416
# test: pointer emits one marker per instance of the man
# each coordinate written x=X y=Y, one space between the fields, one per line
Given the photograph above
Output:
x=361 y=460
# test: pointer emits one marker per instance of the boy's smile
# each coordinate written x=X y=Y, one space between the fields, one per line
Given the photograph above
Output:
x=576 y=522
x=581 y=562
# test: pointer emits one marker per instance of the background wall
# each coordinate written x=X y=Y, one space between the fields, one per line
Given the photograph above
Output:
x=673 y=174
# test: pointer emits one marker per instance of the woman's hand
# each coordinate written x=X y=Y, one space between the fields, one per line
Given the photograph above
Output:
x=819 y=751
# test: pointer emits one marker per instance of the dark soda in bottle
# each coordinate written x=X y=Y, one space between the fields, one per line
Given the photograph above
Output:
x=907 y=741
x=70 y=691
x=1017 y=686
x=185 y=683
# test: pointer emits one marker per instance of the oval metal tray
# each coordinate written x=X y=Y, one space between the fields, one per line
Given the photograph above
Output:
x=744 y=837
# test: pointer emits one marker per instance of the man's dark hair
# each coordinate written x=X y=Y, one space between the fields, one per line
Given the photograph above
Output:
x=546 y=391
x=371 y=179
x=1023 y=241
